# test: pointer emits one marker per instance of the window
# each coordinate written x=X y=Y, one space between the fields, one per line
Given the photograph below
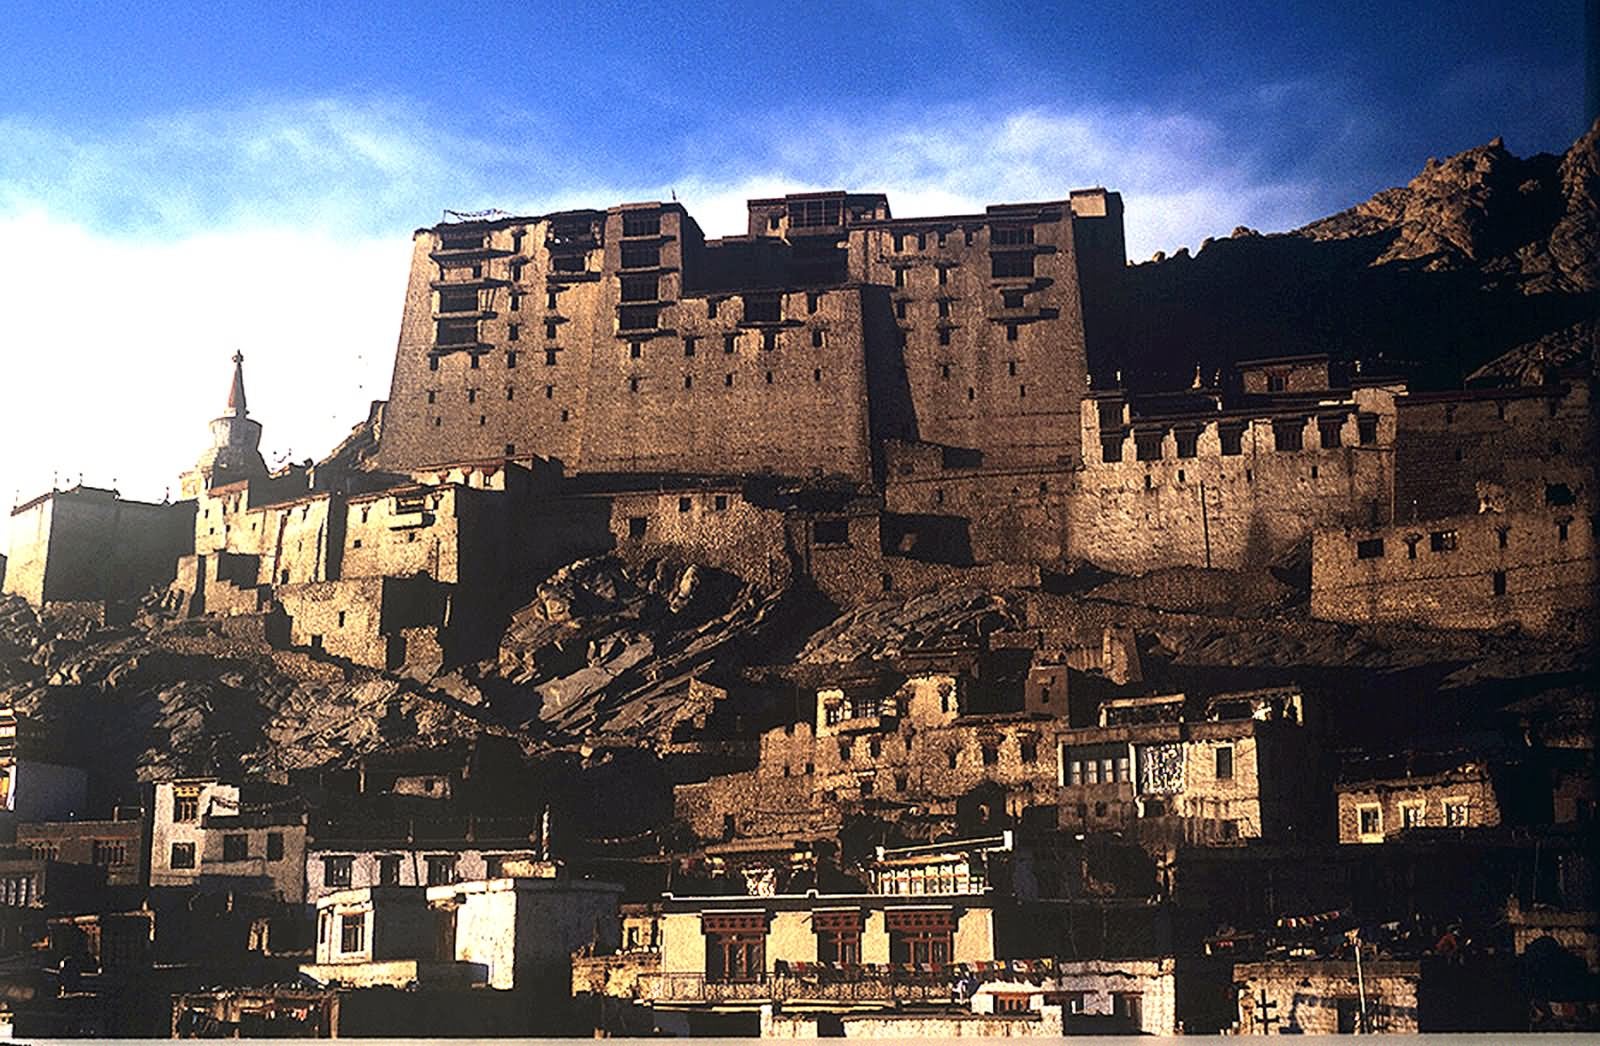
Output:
x=900 y=310
x=1367 y=428
x=1147 y=446
x=1561 y=529
x=637 y=526
x=951 y=758
x=549 y=329
x=1232 y=438
x=1013 y=332
x=730 y=342
x=1224 y=762
x=389 y=870
x=685 y=504
x=1455 y=813
x=817 y=337
x=764 y=308
x=831 y=532
x=1010 y=235
x=511 y=359
x=1369 y=822
x=182 y=855
x=719 y=503
x=352 y=934
x=641 y=223
x=736 y=947
x=235 y=847
x=640 y=288
x=991 y=755
x=511 y=392
x=516 y=302
x=472 y=395
x=186 y=803
x=1288 y=435
x=493 y=866
x=274 y=846
x=1499 y=582
x=688 y=345
x=920 y=937
x=1277 y=382
x=636 y=317
x=635 y=350
x=458 y=299
x=641 y=255
x=1412 y=815
x=812 y=298
x=1442 y=541
x=513 y=332
x=1502 y=536
x=1111 y=447
x=944 y=335
x=900 y=277
x=336 y=870
x=110 y=853
x=1028 y=750
x=806 y=213
x=1188 y=442
x=1328 y=432
x=1129 y=1006
x=1012 y=1002
x=1011 y=264
x=769 y=340
x=1371 y=548
x=456 y=332
x=441 y=869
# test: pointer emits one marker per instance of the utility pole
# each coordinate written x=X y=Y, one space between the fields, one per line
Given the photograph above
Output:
x=1361 y=984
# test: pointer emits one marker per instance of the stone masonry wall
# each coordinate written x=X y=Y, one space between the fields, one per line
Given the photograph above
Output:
x=1133 y=516
x=1474 y=571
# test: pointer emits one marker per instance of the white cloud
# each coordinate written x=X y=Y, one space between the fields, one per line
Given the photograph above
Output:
x=139 y=261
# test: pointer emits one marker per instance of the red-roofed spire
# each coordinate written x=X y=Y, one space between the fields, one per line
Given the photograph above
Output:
x=236 y=393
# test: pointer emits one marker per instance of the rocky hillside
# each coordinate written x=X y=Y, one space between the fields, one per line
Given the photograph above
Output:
x=1483 y=264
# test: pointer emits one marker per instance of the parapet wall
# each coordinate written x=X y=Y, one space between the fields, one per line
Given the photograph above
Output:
x=1225 y=495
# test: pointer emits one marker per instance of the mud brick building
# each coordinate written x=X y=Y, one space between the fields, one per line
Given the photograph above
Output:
x=1204 y=479
x=1244 y=768
x=624 y=341
x=90 y=546
x=886 y=745
x=1494 y=516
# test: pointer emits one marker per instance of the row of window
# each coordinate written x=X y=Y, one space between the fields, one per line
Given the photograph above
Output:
x=235 y=847
x=1455 y=813
x=1449 y=541
x=1014 y=235
x=1286 y=436
x=338 y=871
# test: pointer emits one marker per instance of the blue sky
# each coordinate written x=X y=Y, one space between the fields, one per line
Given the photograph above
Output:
x=246 y=175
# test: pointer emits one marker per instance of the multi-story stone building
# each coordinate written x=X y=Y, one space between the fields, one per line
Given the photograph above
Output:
x=1245 y=768
x=624 y=341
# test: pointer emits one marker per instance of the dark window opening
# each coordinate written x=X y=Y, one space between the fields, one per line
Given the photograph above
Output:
x=1111 y=447
x=1188 y=442
x=1288 y=435
x=1010 y=235
x=1224 y=764
x=769 y=340
x=1011 y=264
x=235 y=847
x=1012 y=331
x=637 y=526
x=832 y=532
x=944 y=335
x=274 y=846
x=816 y=339
x=1499 y=582
x=1442 y=541
x=1559 y=494
x=730 y=342
x=688 y=345
x=1147 y=446
x=637 y=317
x=1328 y=432
x=640 y=288
x=685 y=504
x=641 y=223
x=641 y=255
x=1372 y=548
x=763 y=308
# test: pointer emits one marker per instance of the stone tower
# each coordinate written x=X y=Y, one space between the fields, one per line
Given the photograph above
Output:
x=235 y=452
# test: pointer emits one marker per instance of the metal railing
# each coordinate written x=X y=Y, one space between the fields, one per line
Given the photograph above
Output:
x=837 y=985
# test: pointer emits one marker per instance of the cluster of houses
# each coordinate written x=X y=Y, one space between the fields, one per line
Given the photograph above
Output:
x=1063 y=849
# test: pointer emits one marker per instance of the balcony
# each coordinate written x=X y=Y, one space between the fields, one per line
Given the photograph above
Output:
x=872 y=983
